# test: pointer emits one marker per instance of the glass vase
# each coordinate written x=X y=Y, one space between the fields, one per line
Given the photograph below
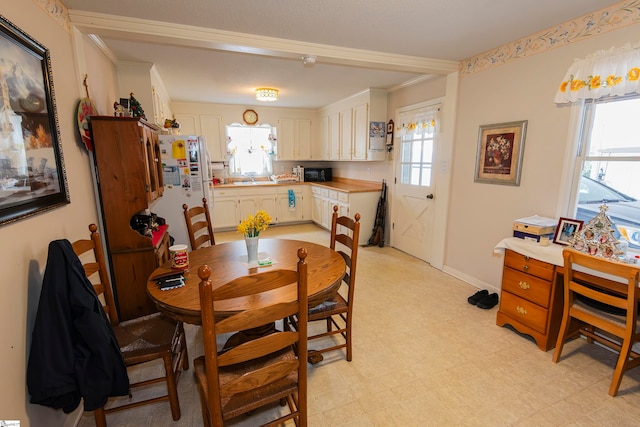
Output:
x=252 y=249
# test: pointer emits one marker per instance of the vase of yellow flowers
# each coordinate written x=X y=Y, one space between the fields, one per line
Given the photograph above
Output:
x=250 y=229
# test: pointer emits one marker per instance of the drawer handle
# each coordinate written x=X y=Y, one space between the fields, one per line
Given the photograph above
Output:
x=524 y=285
x=527 y=258
x=521 y=310
x=525 y=267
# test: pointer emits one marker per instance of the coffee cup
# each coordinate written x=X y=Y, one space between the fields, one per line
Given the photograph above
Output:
x=179 y=257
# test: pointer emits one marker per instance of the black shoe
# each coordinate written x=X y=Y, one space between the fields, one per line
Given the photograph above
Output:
x=473 y=299
x=488 y=302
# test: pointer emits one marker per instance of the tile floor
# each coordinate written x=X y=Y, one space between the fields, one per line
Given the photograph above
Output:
x=423 y=356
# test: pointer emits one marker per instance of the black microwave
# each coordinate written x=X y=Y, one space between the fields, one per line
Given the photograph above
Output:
x=317 y=174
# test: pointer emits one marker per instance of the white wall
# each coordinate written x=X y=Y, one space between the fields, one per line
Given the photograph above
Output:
x=481 y=215
x=23 y=252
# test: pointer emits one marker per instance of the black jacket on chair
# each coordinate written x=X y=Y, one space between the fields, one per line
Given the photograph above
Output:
x=74 y=353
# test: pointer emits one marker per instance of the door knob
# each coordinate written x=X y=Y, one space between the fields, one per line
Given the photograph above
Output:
x=429 y=196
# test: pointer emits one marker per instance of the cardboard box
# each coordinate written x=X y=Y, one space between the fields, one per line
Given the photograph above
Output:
x=535 y=224
x=530 y=236
x=534 y=229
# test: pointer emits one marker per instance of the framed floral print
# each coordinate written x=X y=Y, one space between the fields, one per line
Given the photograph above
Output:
x=32 y=175
x=500 y=152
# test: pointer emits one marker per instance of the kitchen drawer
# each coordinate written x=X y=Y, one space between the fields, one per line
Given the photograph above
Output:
x=343 y=197
x=528 y=265
x=221 y=192
x=333 y=194
x=320 y=191
x=529 y=287
x=524 y=312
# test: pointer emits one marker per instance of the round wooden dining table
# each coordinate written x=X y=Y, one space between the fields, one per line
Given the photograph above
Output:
x=229 y=260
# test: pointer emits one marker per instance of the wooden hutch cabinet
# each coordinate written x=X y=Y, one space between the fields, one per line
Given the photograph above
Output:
x=129 y=175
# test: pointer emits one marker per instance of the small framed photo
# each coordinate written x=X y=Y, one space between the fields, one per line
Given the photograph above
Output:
x=389 y=141
x=500 y=153
x=565 y=230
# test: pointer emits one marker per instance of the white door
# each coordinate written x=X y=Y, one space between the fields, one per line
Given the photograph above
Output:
x=414 y=189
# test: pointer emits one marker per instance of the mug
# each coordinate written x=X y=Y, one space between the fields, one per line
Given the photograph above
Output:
x=179 y=257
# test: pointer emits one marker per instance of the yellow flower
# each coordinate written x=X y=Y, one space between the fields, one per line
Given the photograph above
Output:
x=412 y=126
x=563 y=86
x=253 y=225
x=594 y=82
x=613 y=80
x=577 y=85
x=634 y=74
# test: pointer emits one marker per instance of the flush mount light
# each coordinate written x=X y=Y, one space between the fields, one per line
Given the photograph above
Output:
x=266 y=94
x=308 y=60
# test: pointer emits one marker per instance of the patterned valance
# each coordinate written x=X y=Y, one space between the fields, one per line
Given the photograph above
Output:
x=422 y=119
x=604 y=73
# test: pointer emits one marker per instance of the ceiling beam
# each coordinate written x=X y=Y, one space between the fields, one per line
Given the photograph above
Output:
x=141 y=30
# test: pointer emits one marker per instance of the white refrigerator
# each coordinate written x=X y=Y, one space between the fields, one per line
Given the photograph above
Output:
x=187 y=177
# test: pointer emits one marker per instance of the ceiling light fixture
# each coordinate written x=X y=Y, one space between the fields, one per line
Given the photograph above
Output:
x=308 y=60
x=266 y=94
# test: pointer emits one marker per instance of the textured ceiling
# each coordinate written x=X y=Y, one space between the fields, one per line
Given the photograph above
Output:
x=425 y=29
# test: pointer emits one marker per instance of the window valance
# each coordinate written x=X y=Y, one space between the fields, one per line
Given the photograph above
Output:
x=424 y=119
x=604 y=73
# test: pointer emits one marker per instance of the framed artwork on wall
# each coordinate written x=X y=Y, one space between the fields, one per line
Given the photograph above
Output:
x=32 y=175
x=500 y=153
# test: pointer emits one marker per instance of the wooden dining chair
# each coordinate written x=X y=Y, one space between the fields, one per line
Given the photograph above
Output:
x=601 y=309
x=199 y=226
x=337 y=312
x=258 y=372
x=141 y=340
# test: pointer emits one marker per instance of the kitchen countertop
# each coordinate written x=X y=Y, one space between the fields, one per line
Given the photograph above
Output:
x=346 y=185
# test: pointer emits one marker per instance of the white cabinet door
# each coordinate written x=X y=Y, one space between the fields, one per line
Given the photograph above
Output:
x=251 y=201
x=322 y=150
x=212 y=129
x=286 y=139
x=303 y=139
x=188 y=124
x=334 y=136
x=294 y=139
x=290 y=212
x=346 y=134
x=360 y=132
x=225 y=209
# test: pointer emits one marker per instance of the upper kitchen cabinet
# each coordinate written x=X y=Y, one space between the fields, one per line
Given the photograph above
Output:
x=346 y=123
x=142 y=79
x=295 y=139
x=209 y=126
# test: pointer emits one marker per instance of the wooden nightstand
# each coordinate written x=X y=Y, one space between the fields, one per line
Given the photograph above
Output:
x=531 y=298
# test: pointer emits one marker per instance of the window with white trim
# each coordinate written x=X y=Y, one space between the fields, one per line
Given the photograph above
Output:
x=609 y=161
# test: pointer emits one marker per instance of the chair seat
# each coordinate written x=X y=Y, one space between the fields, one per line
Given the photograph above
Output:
x=242 y=402
x=336 y=305
x=609 y=317
x=142 y=339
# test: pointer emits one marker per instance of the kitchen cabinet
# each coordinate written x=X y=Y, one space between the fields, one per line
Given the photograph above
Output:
x=345 y=126
x=225 y=208
x=531 y=298
x=129 y=177
x=252 y=200
x=349 y=203
x=294 y=139
x=320 y=214
x=232 y=205
x=209 y=126
x=285 y=212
